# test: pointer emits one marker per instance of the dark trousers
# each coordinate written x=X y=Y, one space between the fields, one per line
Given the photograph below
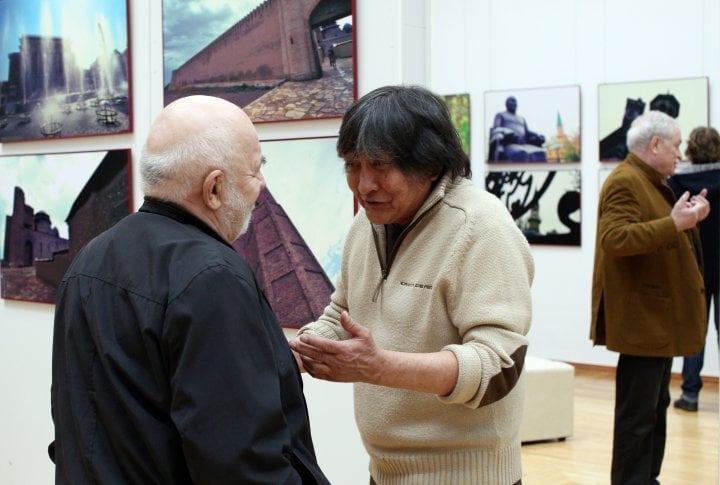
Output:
x=642 y=397
x=692 y=382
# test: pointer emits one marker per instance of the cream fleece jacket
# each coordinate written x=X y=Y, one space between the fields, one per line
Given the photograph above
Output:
x=459 y=280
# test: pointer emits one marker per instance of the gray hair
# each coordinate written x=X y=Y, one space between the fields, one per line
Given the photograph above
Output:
x=645 y=127
x=170 y=174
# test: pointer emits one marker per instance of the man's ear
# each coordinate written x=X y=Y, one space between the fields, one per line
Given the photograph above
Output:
x=654 y=143
x=213 y=189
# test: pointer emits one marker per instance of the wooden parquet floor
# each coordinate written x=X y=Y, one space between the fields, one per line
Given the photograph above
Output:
x=692 y=449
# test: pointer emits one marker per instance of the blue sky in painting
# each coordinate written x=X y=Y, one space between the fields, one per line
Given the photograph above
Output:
x=307 y=179
x=73 y=20
x=190 y=25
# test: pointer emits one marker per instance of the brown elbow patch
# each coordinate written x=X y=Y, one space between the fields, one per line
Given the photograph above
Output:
x=501 y=384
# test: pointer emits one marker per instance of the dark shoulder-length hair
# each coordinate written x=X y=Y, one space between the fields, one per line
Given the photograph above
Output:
x=408 y=126
x=703 y=145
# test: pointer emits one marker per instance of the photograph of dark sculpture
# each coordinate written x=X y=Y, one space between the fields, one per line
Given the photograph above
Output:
x=686 y=100
x=613 y=146
x=545 y=204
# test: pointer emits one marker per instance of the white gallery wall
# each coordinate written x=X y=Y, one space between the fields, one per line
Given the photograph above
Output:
x=487 y=45
x=451 y=46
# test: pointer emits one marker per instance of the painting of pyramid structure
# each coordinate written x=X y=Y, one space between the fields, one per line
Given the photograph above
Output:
x=288 y=272
x=298 y=226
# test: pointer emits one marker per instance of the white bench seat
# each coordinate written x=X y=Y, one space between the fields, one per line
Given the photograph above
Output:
x=548 y=410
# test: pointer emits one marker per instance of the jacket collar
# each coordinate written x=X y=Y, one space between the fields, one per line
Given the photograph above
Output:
x=174 y=211
x=649 y=172
x=435 y=196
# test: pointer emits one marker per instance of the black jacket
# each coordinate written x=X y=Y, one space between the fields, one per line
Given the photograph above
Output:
x=695 y=178
x=169 y=366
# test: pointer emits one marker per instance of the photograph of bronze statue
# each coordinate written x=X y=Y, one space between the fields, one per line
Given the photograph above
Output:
x=512 y=140
x=533 y=125
x=619 y=104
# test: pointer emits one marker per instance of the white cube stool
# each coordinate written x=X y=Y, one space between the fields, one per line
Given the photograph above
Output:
x=548 y=409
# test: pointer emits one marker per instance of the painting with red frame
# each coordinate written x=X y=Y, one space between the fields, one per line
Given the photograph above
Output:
x=64 y=69
x=279 y=60
x=51 y=206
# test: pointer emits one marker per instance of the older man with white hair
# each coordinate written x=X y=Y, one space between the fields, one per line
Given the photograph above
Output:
x=647 y=297
x=168 y=363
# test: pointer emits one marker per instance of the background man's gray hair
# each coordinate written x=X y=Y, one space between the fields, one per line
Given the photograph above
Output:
x=646 y=126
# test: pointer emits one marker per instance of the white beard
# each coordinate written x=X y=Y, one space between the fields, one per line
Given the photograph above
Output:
x=236 y=214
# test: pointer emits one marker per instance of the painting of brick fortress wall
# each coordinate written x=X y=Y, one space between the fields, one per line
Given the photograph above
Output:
x=273 y=42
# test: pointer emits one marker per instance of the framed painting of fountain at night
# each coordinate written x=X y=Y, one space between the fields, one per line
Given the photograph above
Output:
x=51 y=205
x=297 y=231
x=64 y=69
x=278 y=60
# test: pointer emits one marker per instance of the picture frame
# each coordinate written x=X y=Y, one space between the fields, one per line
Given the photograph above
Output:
x=295 y=239
x=277 y=61
x=533 y=125
x=70 y=75
x=545 y=204
x=459 y=108
x=619 y=104
x=42 y=230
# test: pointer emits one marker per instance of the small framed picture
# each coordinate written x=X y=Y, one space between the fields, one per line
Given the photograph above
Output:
x=459 y=107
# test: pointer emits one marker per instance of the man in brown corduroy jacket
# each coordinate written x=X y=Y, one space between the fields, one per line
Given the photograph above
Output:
x=648 y=293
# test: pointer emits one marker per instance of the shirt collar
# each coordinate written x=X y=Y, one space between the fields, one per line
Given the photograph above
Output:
x=174 y=211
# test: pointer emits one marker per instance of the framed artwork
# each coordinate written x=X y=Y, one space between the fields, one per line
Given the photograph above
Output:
x=296 y=234
x=52 y=205
x=459 y=106
x=619 y=104
x=279 y=61
x=533 y=125
x=64 y=69
x=545 y=204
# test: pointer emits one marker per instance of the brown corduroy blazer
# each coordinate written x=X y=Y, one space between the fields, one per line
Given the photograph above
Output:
x=648 y=292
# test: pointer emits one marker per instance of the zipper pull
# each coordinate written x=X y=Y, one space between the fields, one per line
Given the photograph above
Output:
x=377 y=289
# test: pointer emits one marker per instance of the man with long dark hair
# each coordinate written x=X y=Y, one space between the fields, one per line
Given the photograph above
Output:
x=432 y=306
